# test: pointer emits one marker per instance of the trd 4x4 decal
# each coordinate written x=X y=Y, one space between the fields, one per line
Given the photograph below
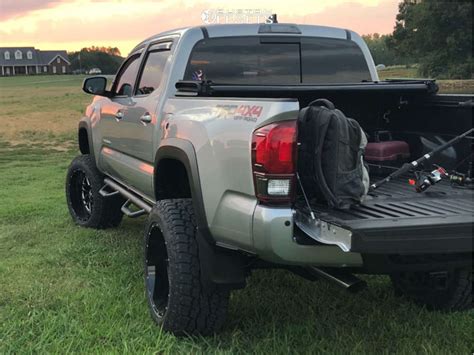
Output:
x=241 y=112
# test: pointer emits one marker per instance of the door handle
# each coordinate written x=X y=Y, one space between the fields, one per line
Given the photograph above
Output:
x=146 y=118
x=119 y=115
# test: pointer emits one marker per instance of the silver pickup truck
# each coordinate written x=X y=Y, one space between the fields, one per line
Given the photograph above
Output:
x=174 y=137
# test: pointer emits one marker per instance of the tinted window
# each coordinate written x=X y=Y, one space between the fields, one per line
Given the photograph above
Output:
x=152 y=72
x=327 y=60
x=126 y=77
x=244 y=60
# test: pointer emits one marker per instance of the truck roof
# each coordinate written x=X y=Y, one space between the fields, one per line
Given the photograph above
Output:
x=278 y=29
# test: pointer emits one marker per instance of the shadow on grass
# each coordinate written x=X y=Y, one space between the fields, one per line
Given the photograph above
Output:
x=279 y=312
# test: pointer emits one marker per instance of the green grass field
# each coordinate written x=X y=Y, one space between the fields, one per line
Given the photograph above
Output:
x=67 y=289
x=445 y=86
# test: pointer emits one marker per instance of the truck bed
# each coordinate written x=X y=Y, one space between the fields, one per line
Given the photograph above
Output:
x=397 y=219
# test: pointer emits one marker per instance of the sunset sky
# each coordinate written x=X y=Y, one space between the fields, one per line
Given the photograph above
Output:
x=74 y=24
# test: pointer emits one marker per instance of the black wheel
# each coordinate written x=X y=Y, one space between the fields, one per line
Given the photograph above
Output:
x=447 y=291
x=87 y=207
x=177 y=299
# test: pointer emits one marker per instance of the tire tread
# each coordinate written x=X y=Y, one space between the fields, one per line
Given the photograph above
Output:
x=106 y=210
x=193 y=308
x=457 y=296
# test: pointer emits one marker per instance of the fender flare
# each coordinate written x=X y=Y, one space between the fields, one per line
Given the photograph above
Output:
x=183 y=151
x=85 y=123
x=219 y=267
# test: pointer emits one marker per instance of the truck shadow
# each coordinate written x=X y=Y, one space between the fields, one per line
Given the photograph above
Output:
x=279 y=312
x=278 y=309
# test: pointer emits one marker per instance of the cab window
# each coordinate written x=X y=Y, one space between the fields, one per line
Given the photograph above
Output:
x=331 y=60
x=126 y=77
x=152 y=71
x=244 y=60
x=256 y=61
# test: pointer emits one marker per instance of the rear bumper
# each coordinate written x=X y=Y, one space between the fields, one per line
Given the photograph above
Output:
x=273 y=233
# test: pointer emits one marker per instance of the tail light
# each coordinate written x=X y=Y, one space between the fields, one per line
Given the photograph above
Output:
x=274 y=162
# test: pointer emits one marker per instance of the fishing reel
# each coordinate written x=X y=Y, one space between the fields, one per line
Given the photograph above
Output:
x=459 y=179
x=423 y=181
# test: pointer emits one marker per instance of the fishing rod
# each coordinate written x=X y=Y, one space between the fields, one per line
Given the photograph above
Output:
x=408 y=166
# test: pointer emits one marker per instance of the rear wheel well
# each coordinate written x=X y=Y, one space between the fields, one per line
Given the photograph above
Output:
x=171 y=180
x=83 y=141
x=220 y=268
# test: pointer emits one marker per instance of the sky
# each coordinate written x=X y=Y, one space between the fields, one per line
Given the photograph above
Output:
x=74 y=24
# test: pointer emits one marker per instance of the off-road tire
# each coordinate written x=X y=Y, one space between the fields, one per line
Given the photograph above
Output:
x=453 y=293
x=177 y=298
x=84 y=179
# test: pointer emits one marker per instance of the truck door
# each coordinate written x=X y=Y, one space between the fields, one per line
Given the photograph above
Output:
x=109 y=128
x=135 y=130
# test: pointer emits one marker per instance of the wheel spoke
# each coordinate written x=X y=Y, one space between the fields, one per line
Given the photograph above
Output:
x=150 y=279
x=86 y=194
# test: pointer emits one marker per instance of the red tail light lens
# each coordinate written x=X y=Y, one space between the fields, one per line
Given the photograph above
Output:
x=274 y=147
x=274 y=162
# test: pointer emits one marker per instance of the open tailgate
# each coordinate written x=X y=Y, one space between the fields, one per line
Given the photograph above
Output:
x=397 y=220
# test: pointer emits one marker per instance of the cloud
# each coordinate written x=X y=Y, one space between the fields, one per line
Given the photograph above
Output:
x=361 y=18
x=15 y=8
x=72 y=25
x=97 y=23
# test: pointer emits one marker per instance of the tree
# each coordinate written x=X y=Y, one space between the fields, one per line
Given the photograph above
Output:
x=107 y=59
x=109 y=50
x=381 y=52
x=437 y=34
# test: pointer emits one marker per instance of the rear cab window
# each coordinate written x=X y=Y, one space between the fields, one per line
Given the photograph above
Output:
x=255 y=60
x=332 y=61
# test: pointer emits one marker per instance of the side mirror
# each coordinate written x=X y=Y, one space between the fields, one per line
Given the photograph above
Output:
x=95 y=85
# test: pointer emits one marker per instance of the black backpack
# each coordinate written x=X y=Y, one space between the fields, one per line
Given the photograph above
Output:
x=330 y=156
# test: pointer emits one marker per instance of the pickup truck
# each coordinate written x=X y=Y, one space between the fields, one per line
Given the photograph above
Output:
x=174 y=137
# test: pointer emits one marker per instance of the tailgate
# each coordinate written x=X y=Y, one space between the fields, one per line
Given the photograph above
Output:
x=397 y=220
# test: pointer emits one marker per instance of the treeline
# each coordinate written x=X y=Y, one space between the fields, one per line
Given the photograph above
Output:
x=437 y=35
x=382 y=52
x=107 y=59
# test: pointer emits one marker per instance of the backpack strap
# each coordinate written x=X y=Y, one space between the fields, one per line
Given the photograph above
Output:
x=331 y=199
x=302 y=114
x=322 y=102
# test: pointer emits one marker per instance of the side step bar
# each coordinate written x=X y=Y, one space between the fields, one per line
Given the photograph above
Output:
x=131 y=197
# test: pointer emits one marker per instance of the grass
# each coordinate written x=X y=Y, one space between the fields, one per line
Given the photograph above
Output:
x=68 y=289
x=398 y=71
x=445 y=86
x=38 y=107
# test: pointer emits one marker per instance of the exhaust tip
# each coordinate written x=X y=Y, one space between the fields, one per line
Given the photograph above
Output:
x=341 y=278
x=358 y=286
